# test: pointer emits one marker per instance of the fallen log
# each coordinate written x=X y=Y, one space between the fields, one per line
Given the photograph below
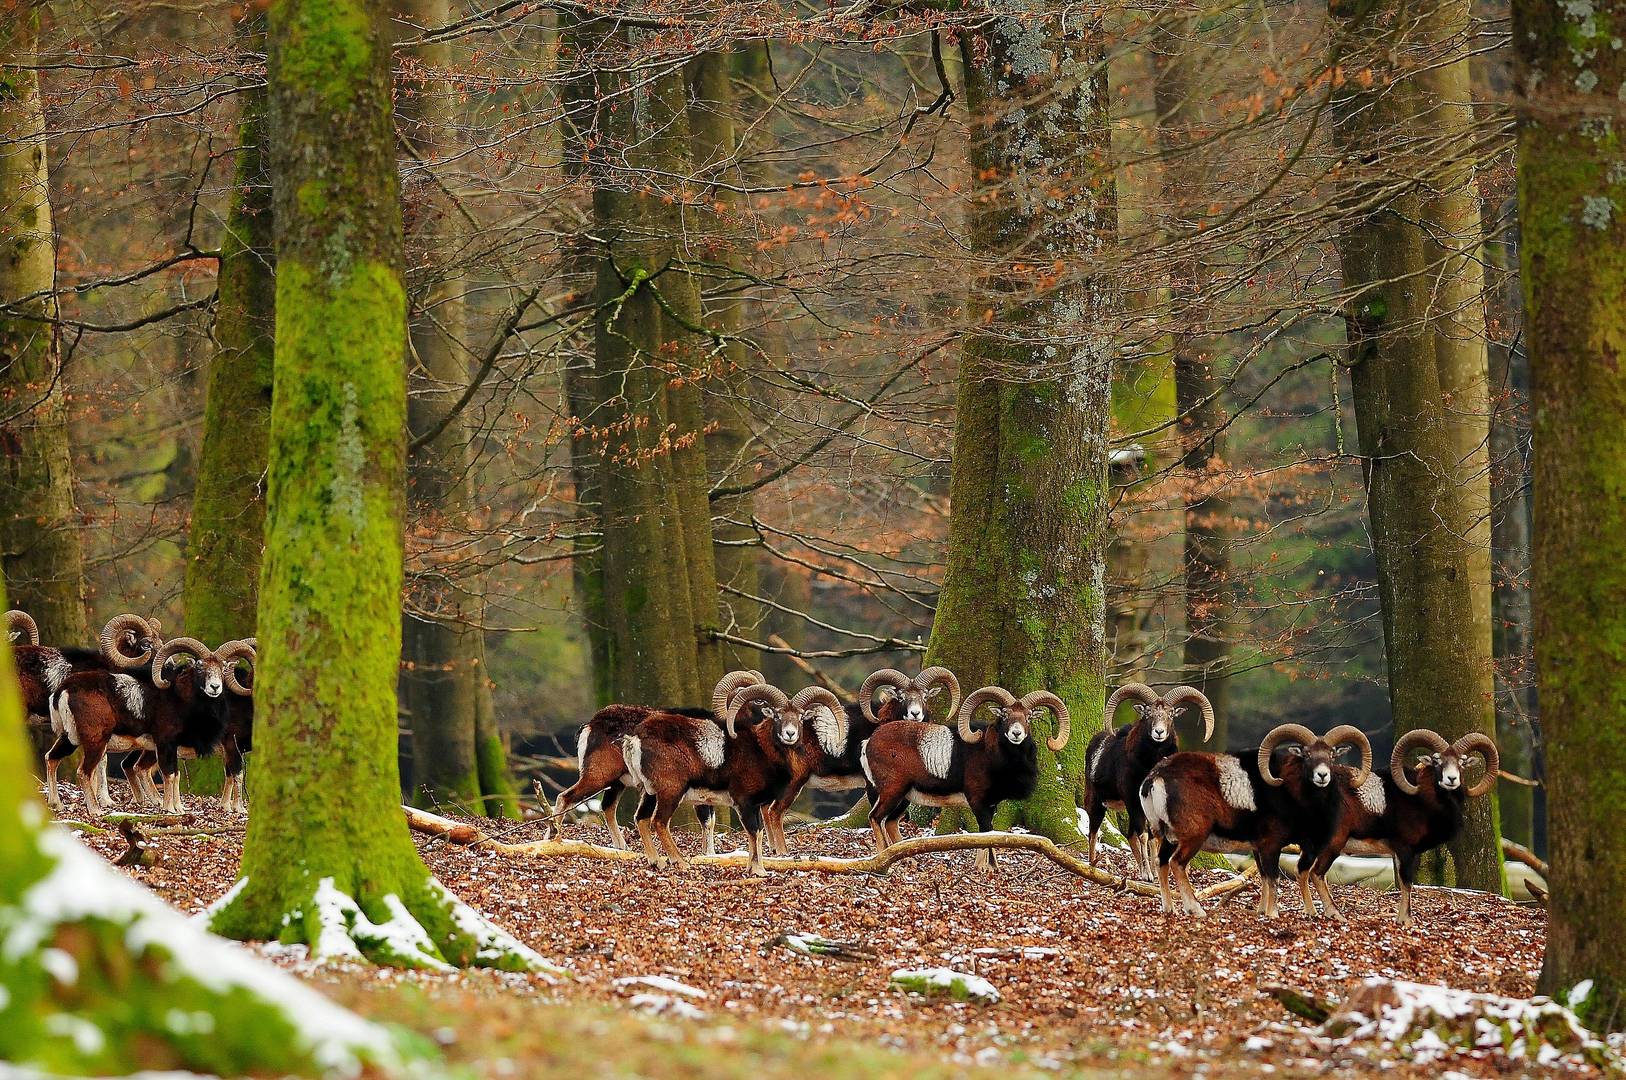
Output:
x=1521 y=854
x=457 y=832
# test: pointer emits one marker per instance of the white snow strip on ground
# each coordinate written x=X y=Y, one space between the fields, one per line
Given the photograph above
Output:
x=661 y=982
x=81 y=886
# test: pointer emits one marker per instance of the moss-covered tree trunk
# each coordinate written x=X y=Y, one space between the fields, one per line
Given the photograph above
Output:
x=328 y=860
x=228 y=506
x=1418 y=367
x=1024 y=602
x=441 y=673
x=1572 y=194
x=1181 y=94
x=1143 y=397
x=39 y=528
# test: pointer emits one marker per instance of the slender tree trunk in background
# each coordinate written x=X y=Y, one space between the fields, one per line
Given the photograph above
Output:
x=728 y=396
x=441 y=673
x=228 y=506
x=579 y=268
x=1180 y=97
x=1143 y=396
x=1510 y=537
x=654 y=572
x=40 y=551
x=1418 y=369
x=326 y=844
x=1571 y=198
x=1024 y=603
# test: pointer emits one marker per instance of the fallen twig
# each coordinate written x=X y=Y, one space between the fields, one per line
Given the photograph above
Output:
x=1521 y=854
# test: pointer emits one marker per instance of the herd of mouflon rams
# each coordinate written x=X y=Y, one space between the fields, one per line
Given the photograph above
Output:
x=756 y=748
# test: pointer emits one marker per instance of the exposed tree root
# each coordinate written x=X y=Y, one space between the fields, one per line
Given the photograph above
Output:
x=459 y=833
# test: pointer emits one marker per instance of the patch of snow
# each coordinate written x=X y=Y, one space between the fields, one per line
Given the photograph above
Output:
x=661 y=982
x=958 y=984
x=663 y=1005
x=81 y=886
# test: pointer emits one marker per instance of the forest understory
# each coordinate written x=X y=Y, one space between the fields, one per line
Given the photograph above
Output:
x=679 y=973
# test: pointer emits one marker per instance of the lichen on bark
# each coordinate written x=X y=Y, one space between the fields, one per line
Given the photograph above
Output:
x=1024 y=604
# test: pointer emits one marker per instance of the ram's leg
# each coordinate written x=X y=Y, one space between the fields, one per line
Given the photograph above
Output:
x=608 y=802
x=1164 y=903
x=707 y=817
x=751 y=818
x=1405 y=874
x=1328 y=904
x=666 y=804
x=646 y=828
x=92 y=759
x=102 y=792
x=985 y=823
x=1094 y=814
x=881 y=808
x=62 y=748
x=1182 y=878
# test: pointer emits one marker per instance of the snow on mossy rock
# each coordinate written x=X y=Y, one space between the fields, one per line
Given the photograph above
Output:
x=100 y=977
x=946 y=982
x=1434 y=1023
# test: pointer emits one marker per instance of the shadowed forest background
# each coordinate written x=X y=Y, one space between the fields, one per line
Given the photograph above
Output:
x=819 y=207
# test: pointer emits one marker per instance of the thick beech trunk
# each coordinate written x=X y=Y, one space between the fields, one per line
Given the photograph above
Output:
x=1571 y=196
x=39 y=529
x=327 y=860
x=1024 y=602
x=1418 y=368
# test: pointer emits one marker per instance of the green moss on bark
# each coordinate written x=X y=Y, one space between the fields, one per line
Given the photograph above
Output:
x=1571 y=193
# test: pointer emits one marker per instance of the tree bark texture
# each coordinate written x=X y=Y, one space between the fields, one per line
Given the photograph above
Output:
x=1024 y=601
x=1416 y=329
x=1572 y=191
x=40 y=548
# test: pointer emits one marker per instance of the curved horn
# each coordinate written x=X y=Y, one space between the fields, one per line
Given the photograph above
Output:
x=1349 y=735
x=813 y=696
x=877 y=679
x=1044 y=699
x=1137 y=690
x=750 y=696
x=113 y=633
x=1410 y=741
x=191 y=646
x=1281 y=733
x=723 y=693
x=23 y=625
x=940 y=676
x=977 y=699
x=1477 y=742
x=229 y=654
x=1191 y=693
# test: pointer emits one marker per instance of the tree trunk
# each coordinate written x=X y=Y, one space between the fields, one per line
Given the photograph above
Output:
x=660 y=584
x=1571 y=196
x=1180 y=96
x=228 y=505
x=1143 y=396
x=1418 y=369
x=728 y=398
x=39 y=528
x=1510 y=540
x=579 y=268
x=441 y=678
x=1023 y=604
x=328 y=860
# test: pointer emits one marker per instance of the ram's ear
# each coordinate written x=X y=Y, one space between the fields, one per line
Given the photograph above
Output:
x=887 y=693
x=1179 y=711
x=1139 y=707
x=934 y=691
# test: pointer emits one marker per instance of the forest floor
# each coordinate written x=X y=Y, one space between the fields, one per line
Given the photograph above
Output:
x=1093 y=982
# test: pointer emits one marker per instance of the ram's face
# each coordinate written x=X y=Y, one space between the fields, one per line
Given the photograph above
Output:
x=911 y=702
x=1013 y=726
x=1159 y=719
x=211 y=678
x=1447 y=770
x=787 y=727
